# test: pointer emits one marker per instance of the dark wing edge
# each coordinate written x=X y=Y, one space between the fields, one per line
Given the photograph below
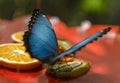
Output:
x=31 y=22
x=82 y=44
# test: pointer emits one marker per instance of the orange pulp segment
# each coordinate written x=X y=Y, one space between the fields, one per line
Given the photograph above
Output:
x=18 y=36
x=13 y=55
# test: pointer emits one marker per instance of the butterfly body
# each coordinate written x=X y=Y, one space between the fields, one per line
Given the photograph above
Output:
x=41 y=42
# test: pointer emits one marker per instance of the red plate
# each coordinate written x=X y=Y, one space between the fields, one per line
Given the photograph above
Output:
x=103 y=55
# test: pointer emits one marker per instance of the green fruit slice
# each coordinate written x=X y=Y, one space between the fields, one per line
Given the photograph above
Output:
x=69 y=69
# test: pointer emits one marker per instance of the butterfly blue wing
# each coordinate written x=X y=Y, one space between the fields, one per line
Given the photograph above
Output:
x=43 y=20
x=80 y=45
x=40 y=40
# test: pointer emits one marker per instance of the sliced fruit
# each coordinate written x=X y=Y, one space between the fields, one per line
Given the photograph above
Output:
x=63 y=45
x=13 y=55
x=18 y=36
x=69 y=68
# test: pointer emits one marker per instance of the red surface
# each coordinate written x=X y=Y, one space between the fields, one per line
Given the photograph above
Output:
x=103 y=55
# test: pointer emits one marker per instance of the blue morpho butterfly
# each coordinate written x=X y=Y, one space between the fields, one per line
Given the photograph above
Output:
x=40 y=40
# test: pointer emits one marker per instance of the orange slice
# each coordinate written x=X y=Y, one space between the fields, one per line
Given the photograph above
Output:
x=13 y=55
x=18 y=36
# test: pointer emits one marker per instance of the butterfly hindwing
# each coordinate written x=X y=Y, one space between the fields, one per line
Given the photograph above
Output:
x=81 y=44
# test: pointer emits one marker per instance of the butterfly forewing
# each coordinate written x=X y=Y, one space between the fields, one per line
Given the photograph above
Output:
x=42 y=19
x=41 y=40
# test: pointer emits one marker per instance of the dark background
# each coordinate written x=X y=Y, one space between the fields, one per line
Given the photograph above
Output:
x=72 y=12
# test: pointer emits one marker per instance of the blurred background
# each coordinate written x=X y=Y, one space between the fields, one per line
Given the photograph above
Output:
x=69 y=11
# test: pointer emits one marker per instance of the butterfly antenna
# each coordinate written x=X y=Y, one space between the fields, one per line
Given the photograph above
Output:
x=80 y=45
